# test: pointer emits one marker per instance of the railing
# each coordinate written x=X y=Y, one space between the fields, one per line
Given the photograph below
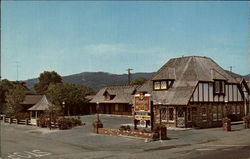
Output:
x=16 y=121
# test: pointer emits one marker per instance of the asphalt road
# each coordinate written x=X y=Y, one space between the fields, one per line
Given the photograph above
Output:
x=20 y=142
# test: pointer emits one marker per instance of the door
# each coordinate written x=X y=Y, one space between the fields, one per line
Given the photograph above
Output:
x=180 y=117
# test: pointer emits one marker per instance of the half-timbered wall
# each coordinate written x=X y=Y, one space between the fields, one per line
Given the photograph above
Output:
x=204 y=92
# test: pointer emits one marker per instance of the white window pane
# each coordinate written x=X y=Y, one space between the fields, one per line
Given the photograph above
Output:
x=163 y=84
x=156 y=85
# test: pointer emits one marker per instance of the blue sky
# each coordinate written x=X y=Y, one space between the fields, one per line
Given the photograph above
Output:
x=73 y=37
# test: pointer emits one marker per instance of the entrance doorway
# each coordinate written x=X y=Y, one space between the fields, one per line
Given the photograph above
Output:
x=181 y=117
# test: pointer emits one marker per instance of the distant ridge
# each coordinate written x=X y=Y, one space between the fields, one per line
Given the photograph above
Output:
x=95 y=80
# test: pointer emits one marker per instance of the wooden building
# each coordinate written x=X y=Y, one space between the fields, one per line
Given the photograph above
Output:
x=38 y=109
x=29 y=101
x=114 y=100
x=195 y=92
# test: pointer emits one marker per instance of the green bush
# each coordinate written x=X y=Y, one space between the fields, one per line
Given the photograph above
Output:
x=43 y=121
x=75 y=122
x=246 y=118
x=125 y=128
x=68 y=123
x=64 y=123
x=21 y=116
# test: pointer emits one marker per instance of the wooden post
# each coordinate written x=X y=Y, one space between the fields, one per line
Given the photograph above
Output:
x=17 y=121
x=10 y=120
x=152 y=115
x=3 y=119
x=26 y=121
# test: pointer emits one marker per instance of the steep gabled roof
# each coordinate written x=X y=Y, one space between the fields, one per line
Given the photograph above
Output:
x=122 y=94
x=43 y=104
x=31 y=99
x=188 y=71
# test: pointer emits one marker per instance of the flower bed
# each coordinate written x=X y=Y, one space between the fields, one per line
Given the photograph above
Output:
x=119 y=132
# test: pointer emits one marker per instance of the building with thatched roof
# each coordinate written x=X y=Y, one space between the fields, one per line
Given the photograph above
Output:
x=194 y=92
x=30 y=100
x=114 y=100
x=38 y=109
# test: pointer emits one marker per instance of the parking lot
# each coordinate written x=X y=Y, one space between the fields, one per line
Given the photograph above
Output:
x=20 y=141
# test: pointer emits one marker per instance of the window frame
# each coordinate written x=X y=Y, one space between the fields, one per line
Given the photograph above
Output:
x=168 y=83
x=222 y=86
x=168 y=114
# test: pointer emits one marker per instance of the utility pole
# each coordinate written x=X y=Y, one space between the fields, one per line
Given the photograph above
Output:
x=129 y=75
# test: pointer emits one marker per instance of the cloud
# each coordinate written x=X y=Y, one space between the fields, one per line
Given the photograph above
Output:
x=100 y=49
x=117 y=49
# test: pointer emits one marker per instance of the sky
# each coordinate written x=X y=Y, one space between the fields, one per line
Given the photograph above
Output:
x=110 y=36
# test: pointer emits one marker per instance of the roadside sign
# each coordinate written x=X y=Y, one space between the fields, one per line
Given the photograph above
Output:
x=142 y=103
x=142 y=108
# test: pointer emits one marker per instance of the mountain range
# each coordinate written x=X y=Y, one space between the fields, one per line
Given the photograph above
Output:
x=97 y=80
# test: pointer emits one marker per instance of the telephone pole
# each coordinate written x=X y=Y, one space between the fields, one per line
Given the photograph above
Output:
x=129 y=75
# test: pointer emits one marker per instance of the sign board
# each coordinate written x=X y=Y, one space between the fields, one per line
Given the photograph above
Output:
x=142 y=117
x=142 y=103
x=142 y=108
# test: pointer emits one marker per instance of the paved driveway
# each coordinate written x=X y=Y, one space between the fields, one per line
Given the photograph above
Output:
x=19 y=142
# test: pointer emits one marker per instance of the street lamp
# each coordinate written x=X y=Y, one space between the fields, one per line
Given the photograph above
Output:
x=160 y=105
x=63 y=106
x=97 y=109
x=226 y=107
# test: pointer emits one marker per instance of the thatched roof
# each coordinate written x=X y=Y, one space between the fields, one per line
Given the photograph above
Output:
x=31 y=99
x=43 y=104
x=187 y=72
x=121 y=94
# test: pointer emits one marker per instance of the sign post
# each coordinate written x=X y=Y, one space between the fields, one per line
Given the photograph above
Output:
x=142 y=109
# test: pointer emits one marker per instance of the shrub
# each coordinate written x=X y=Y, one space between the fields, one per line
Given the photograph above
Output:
x=232 y=117
x=64 y=123
x=157 y=127
x=43 y=121
x=226 y=120
x=96 y=123
x=246 y=118
x=75 y=122
x=21 y=116
x=68 y=123
x=125 y=128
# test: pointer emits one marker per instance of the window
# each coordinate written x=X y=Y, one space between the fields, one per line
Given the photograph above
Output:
x=157 y=85
x=220 y=111
x=189 y=117
x=171 y=114
x=164 y=114
x=219 y=87
x=116 y=107
x=204 y=114
x=215 y=115
x=163 y=85
x=237 y=109
x=234 y=109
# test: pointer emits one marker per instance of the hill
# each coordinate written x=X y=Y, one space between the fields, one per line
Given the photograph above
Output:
x=95 y=80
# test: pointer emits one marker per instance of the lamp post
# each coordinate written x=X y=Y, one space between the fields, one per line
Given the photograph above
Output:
x=226 y=107
x=97 y=109
x=63 y=106
x=160 y=106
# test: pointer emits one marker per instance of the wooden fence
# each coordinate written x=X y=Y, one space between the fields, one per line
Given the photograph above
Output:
x=16 y=121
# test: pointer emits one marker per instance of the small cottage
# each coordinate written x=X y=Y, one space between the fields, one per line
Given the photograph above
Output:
x=38 y=109
x=114 y=100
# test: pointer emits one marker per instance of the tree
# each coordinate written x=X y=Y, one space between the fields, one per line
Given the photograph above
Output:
x=45 y=80
x=138 y=81
x=71 y=94
x=11 y=95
